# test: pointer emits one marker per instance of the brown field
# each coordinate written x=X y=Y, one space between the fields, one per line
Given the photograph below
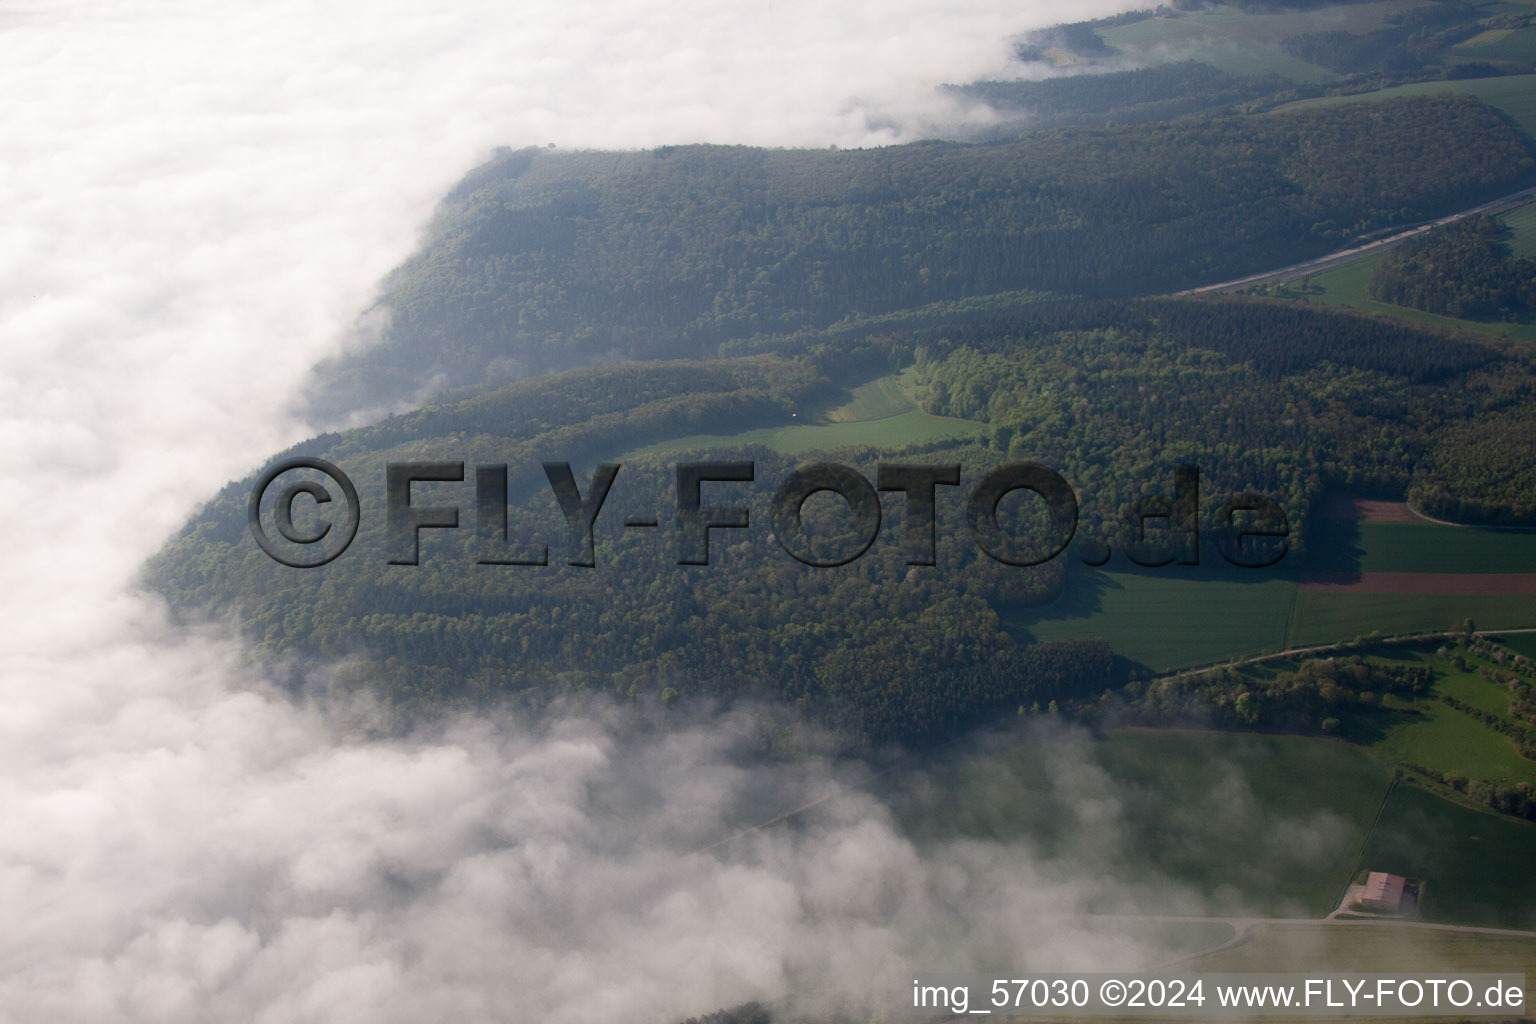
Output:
x=1345 y=506
x=1457 y=584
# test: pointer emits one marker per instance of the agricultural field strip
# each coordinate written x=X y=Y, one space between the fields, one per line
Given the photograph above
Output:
x=1469 y=584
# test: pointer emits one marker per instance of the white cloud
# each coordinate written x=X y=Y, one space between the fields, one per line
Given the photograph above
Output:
x=199 y=198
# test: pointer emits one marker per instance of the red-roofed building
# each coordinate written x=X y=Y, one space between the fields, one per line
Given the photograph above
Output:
x=1383 y=892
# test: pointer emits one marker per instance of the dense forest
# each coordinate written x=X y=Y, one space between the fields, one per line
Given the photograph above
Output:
x=1462 y=270
x=1260 y=395
x=1077 y=37
x=876 y=648
x=1128 y=97
x=1483 y=470
x=540 y=262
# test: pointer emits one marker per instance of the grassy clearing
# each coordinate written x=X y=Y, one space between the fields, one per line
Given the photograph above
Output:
x=1515 y=95
x=1521 y=222
x=1477 y=692
x=912 y=427
x=1347 y=286
x=876 y=399
x=1164 y=620
x=1477 y=864
x=1424 y=730
x=1440 y=737
x=881 y=412
x=1170 y=821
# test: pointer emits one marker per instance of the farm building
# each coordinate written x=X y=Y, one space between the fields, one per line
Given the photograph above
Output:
x=1383 y=892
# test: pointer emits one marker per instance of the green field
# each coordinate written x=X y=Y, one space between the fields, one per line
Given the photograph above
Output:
x=1427 y=547
x=1173 y=821
x=1419 y=547
x=1477 y=864
x=881 y=412
x=1347 y=286
x=1244 y=44
x=1321 y=617
x=1513 y=94
x=1165 y=619
x=1324 y=617
x=1521 y=222
x=1424 y=730
x=877 y=399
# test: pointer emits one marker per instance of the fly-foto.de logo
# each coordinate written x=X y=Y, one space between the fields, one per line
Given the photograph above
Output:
x=313 y=528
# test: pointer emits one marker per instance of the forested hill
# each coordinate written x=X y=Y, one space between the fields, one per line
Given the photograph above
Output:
x=1125 y=97
x=1261 y=395
x=543 y=261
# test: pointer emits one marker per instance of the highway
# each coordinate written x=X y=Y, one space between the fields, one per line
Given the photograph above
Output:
x=1357 y=252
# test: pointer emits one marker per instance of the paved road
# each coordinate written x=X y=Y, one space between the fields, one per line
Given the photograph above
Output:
x=1358 y=252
